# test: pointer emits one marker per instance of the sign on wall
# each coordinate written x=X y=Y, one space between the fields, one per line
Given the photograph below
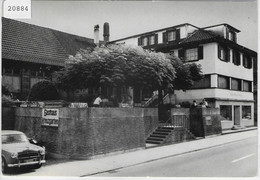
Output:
x=50 y=117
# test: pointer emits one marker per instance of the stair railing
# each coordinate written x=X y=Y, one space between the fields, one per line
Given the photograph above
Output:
x=181 y=121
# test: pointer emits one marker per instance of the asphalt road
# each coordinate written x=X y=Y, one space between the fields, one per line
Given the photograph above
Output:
x=237 y=159
x=231 y=155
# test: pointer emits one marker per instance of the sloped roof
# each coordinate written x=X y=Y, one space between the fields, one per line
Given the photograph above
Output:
x=199 y=35
x=26 y=42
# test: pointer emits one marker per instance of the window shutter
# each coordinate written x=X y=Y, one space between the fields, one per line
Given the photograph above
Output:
x=156 y=39
x=181 y=53
x=148 y=40
x=165 y=37
x=227 y=33
x=244 y=60
x=235 y=57
x=238 y=58
x=178 y=34
x=200 y=52
x=139 y=41
x=235 y=37
x=249 y=62
x=219 y=52
x=227 y=54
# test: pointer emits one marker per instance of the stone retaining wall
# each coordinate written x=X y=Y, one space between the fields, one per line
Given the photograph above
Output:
x=86 y=132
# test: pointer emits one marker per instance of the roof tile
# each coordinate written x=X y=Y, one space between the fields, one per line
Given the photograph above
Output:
x=31 y=43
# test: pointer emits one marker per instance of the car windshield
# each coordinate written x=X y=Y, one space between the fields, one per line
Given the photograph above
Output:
x=13 y=138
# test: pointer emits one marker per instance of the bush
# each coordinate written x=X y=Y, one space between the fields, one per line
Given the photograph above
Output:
x=5 y=91
x=43 y=91
x=7 y=101
x=185 y=104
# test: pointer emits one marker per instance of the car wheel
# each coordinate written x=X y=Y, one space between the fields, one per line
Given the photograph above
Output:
x=4 y=166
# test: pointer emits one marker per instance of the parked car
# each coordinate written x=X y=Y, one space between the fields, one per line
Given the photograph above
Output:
x=17 y=151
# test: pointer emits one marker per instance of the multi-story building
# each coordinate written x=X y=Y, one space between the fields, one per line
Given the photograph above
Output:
x=226 y=65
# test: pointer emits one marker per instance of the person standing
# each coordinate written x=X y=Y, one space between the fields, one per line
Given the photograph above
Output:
x=97 y=101
x=194 y=104
x=204 y=103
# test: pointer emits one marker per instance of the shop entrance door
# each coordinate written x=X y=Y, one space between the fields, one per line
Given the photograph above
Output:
x=237 y=115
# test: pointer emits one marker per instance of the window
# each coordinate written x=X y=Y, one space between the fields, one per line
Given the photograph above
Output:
x=226 y=112
x=236 y=58
x=247 y=61
x=191 y=54
x=33 y=72
x=246 y=112
x=148 y=40
x=235 y=84
x=223 y=53
x=223 y=82
x=145 y=41
x=232 y=36
x=171 y=35
x=151 y=40
x=17 y=71
x=247 y=86
x=8 y=70
x=203 y=83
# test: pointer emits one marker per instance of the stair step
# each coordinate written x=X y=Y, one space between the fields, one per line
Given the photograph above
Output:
x=157 y=136
x=155 y=139
x=163 y=130
x=167 y=128
x=153 y=142
x=161 y=133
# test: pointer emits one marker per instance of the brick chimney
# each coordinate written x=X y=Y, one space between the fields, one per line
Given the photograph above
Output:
x=106 y=32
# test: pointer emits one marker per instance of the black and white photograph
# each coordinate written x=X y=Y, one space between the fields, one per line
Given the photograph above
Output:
x=129 y=89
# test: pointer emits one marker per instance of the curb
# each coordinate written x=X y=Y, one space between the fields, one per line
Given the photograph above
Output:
x=240 y=130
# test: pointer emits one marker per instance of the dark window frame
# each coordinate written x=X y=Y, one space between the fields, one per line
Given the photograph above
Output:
x=200 y=51
x=206 y=77
x=249 y=86
x=247 y=61
x=228 y=78
x=226 y=52
x=239 y=84
x=236 y=58
x=165 y=35
x=245 y=114
x=224 y=113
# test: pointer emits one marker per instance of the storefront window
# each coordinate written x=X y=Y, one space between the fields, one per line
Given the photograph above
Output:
x=226 y=112
x=246 y=112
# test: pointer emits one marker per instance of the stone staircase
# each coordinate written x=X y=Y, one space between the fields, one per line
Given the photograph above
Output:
x=163 y=135
x=159 y=135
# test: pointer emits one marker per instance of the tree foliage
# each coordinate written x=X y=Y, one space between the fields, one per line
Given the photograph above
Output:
x=124 y=65
x=42 y=91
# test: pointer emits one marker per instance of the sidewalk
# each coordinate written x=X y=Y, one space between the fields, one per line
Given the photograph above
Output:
x=238 y=130
x=94 y=166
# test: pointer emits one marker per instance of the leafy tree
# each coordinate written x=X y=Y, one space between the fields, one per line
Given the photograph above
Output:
x=124 y=65
x=186 y=74
x=117 y=65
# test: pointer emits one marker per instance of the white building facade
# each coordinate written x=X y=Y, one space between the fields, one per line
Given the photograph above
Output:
x=226 y=65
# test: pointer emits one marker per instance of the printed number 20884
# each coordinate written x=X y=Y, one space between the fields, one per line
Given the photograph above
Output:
x=18 y=8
